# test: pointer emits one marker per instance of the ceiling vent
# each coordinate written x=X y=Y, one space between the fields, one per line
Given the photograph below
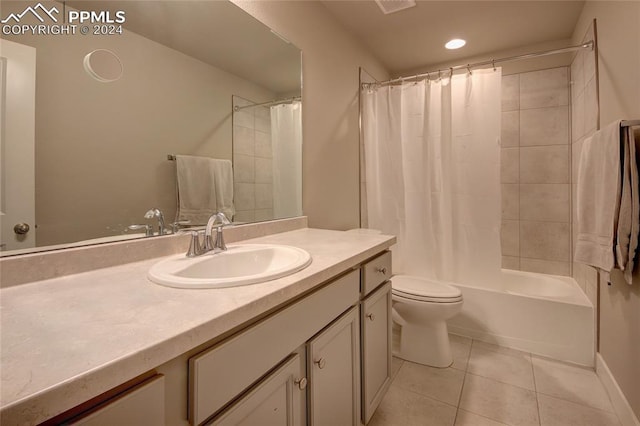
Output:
x=391 y=6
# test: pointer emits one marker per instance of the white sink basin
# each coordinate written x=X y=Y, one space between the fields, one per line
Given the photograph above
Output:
x=239 y=265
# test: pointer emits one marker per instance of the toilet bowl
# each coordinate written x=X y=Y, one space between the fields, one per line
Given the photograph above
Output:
x=421 y=308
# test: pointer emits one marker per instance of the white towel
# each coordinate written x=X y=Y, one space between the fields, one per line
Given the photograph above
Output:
x=205 y=187
x=598 y=196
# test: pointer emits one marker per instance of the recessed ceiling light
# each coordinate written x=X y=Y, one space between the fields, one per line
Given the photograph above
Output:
x=456 y=43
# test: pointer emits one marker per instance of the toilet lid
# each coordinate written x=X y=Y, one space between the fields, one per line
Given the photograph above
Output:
x=417 y=288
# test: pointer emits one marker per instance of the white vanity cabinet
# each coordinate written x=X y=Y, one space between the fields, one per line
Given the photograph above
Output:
x=240 y=368
x=375 y=324
x=334 y=373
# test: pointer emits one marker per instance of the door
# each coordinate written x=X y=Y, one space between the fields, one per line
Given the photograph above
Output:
x=17 y=140
x=277 y=400
x=376 y=349
x=334 y=373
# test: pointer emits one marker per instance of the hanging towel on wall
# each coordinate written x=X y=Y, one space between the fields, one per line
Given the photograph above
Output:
x=205 y=187
x=629 y=215
x=608 y=201
x=598 y=196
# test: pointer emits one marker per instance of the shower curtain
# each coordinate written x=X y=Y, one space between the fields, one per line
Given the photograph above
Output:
x=432 y=161
x=286 y=141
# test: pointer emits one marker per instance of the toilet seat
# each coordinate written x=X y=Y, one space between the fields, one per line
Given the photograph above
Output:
x=424 y=290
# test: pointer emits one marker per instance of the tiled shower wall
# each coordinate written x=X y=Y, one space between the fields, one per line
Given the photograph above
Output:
x=252 y=163
x=584 y=122
x=535 y=172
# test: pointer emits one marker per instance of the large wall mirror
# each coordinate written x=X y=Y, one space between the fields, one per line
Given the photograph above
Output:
x=120 y=106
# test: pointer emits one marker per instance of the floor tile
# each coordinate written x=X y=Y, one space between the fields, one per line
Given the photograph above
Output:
x=558 y=412
x=460 y=347
x=465 y=418
x=499 y=349
x=442 y=384
x=514 y=369
x=571 y=383
x=499 y=401
x=401 y=407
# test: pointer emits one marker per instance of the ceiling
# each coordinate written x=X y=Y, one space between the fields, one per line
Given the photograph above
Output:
x=215 y=32
x=414 y=38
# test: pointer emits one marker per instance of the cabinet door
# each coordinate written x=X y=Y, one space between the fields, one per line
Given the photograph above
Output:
x=277 y=400
x=334 y=373
x=376 y=349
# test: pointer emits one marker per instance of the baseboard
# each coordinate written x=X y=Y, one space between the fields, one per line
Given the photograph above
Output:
x=620 y=404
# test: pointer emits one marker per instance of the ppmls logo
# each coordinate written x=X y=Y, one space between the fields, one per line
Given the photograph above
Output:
x=99 y=22
x=34 y=11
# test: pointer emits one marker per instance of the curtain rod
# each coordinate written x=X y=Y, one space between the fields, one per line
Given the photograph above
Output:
x=630 y=123
x=280 y=101
x=587 y=45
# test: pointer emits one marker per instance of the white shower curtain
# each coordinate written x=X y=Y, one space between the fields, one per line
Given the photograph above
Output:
x=286 y=142
x=432 y=160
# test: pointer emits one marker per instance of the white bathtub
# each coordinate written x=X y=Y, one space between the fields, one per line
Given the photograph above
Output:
x=543 y=314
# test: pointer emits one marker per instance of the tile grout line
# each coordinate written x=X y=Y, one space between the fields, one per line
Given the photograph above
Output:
x=581 y=404
x=464 y=379
x=535 y=389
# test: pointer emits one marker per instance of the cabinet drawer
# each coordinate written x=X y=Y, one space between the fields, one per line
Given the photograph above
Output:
x=375 y=272
x=142 y=405
x=221 y=373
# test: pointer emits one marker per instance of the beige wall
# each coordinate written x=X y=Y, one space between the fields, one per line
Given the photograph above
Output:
x=101 y=149
x=330 y=61
x=619 y=93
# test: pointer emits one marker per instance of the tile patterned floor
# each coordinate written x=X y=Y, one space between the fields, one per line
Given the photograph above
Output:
x=490 y=385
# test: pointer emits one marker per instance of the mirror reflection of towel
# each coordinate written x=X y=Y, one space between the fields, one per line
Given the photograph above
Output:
x=205 y=187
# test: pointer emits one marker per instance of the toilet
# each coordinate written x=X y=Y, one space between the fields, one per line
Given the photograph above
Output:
x=421 y=308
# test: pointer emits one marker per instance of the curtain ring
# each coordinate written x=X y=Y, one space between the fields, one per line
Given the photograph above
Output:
x=439 y=75
x=468 y=69
x=493 y=62
x=451 y=71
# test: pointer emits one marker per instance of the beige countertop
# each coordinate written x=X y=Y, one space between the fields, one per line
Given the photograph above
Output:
x=69 y=339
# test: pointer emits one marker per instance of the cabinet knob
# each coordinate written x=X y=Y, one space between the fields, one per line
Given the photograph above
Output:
x=383 y=271
x=302 y=383
x=371 y=316
x=21 y=228
x=321 y=363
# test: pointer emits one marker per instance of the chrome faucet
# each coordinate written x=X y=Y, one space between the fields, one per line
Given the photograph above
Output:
x=157 y=213
x=217 y=220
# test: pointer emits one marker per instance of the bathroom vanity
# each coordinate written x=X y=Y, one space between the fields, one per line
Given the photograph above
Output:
x=110 y=347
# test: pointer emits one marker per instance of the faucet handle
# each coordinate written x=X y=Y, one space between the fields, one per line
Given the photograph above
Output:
x=195 y=248
x=147 y=229
x=175 y=226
